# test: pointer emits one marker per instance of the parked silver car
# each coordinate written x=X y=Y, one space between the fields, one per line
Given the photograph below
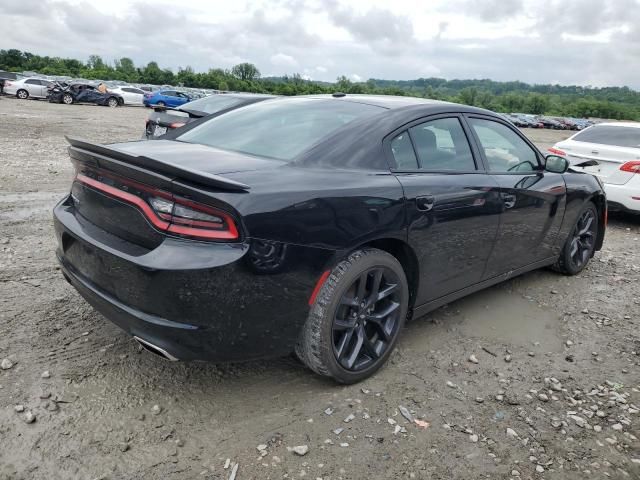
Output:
x=27 y=87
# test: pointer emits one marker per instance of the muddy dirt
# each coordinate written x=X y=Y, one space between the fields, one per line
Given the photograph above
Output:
x=555 y=392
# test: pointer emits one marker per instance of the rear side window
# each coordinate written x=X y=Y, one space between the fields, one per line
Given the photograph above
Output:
x=610 y=135
x=442 y=145
x=504 y=150
x=33 y=82
x=279 y=129
x=403 y=153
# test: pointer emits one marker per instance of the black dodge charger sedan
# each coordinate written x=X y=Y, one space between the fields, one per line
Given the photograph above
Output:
x=317 y=225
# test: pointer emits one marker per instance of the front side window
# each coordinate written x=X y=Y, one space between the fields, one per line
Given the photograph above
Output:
x=610 y=135
x=442 y=145
x=505 y=150
x=278 y=129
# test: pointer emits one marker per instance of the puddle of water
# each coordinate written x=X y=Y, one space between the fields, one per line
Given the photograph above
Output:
x=499 y=315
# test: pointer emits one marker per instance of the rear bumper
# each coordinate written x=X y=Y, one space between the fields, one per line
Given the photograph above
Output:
x=179 y=340
x=624 y=197
x=195 y=300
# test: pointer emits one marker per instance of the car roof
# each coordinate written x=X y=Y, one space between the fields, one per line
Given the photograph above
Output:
x=619 y=124
x=243 y=95
x=384 y=101
x=394 y=102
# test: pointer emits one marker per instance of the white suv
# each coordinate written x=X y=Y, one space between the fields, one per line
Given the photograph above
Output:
x=616 y=148
x=27 y=87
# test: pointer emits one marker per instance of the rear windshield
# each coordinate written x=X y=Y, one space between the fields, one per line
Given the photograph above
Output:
x=280 y=129
x=211 y=104
x=611 y=135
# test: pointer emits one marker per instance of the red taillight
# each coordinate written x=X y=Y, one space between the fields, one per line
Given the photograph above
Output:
x=169 y=213
x=7 y=83
x=556 y=151
x=633 y=166
x=177 y=125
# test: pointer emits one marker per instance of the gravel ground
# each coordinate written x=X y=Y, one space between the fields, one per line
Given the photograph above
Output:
x=535 y=378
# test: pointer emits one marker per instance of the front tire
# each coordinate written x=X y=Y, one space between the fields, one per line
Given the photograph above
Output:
x=113 y=102
x=580 y=245
x=67 y=99
x=22 y=94
x=357 y=316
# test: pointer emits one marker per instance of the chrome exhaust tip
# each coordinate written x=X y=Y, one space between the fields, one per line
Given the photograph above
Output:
x=150 y=347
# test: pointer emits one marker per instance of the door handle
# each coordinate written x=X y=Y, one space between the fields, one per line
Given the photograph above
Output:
x=509 y=200
x=425 y=202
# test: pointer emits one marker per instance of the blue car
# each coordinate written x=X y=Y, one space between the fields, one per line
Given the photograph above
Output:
x=169 y=98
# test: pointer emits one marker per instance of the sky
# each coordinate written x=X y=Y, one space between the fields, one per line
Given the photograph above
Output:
x=577 y=42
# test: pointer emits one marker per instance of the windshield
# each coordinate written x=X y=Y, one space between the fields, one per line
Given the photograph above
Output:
x=280 y=129
x=610 y=135
x=211 y=104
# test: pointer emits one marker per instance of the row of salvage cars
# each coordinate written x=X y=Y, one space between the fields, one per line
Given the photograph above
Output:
x=73 y=92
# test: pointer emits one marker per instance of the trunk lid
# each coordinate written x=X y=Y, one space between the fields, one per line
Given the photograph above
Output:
x=609 y=157
x=141 y=191
x=195 y=157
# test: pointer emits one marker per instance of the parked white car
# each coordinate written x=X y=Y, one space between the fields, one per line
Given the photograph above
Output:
x=131 y=95
x=27 y=87
x=616 y=148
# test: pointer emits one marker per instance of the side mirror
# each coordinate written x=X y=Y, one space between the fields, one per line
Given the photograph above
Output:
x=556 y=164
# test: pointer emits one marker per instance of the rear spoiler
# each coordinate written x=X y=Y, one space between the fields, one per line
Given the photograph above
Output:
x=162 y=108
x=203 y=178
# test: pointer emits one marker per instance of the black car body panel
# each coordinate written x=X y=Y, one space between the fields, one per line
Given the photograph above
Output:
x=455 y=232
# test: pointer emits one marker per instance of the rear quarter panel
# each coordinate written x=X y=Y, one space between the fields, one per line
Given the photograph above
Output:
x=581 y=188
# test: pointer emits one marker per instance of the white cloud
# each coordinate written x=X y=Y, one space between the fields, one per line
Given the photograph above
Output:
x=283 y=60
x=354 y=77
x=572 y=41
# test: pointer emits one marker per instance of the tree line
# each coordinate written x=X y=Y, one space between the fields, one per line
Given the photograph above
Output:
x=575 y=101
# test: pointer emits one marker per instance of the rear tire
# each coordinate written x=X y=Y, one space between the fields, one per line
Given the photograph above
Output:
x=22 y=94
x=357 y=316
x=160 y=104
x=580 y=244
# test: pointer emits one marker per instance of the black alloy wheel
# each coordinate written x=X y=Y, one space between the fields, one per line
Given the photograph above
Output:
x=580 y=245
x=367 y=319
x=583 y=239
x=356 y=318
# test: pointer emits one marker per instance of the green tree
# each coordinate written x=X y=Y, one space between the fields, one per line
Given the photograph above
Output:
x=245 y=71
x=468 y=96
x=95 y=62
x=12 y=59
x=537 y=103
